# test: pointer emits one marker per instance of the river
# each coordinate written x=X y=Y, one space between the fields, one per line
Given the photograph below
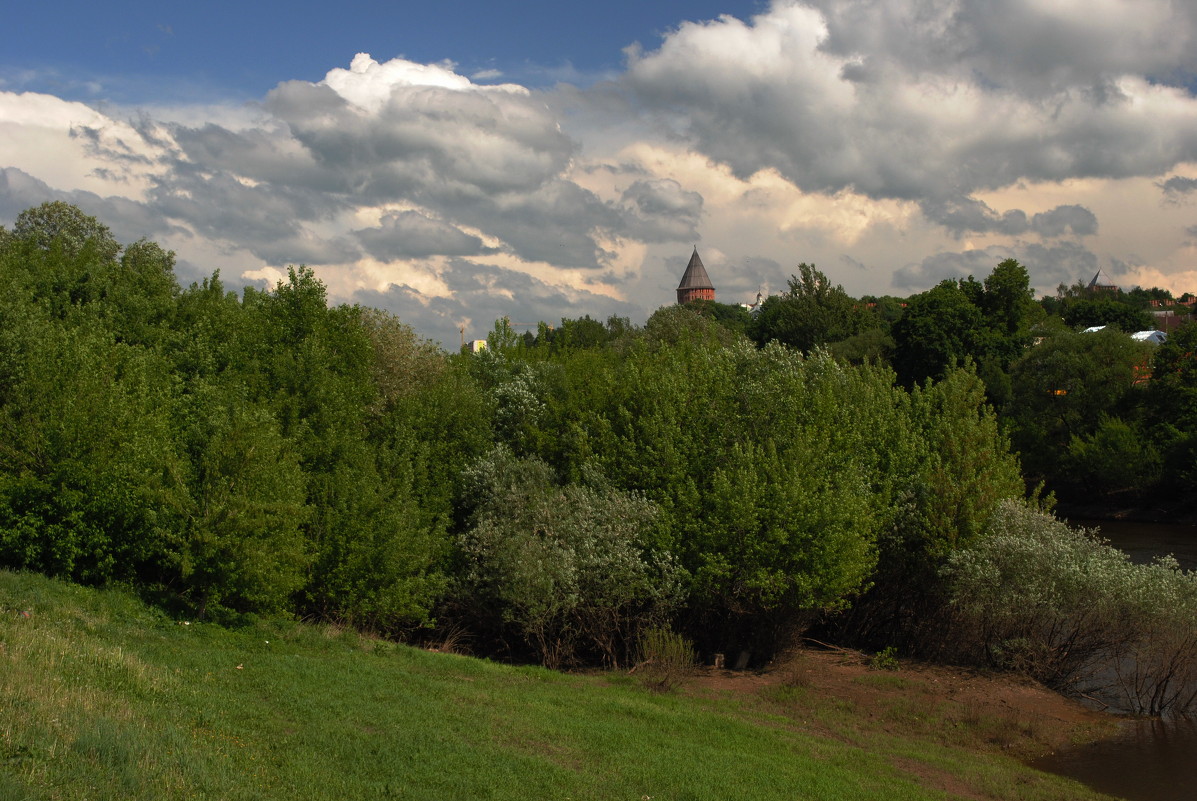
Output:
x=1150 y=760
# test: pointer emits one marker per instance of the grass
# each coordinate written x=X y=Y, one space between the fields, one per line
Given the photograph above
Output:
x=104 y=698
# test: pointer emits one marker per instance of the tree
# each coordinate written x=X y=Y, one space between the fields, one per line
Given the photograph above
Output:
x=59 y=224
x=733 y=317
x=941 y=328
x=1089 y=312
x=1060 y=605
x=813 y=312
x=1170 y=409
x=1062 y=390
x=1008 y=302
x=243 y=547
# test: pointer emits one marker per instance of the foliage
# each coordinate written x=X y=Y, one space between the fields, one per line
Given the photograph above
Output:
x=948 y=473
x=941 y=328
x=665 y=659
x=1067 y=390
x=988 y=323
x=1170 y=410
x=1088 y=312
x=1061 y=606
x=241 y=548
x=885 y=659
x=570 y=567
x=261 y=454
x=812 y=312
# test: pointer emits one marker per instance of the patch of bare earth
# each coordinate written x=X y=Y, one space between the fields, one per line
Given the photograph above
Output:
x=835 y=693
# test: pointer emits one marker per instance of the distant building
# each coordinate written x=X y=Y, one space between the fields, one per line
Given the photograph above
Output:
x=696 y=284
x=1102 y=283
x=1154 y=337
x=754 y=308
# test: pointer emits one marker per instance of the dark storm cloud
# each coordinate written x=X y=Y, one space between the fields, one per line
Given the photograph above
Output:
x=1033 y=49
x=1178 y=186
x=1063 y=220
x=966 y=215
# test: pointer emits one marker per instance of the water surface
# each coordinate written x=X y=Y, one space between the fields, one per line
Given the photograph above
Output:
x=1149 y=760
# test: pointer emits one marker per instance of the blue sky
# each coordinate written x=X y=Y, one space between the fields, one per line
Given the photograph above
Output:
x=148 y=51
x=458 y=162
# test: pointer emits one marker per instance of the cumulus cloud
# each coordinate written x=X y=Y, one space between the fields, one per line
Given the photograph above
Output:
x=129 y=220
x=660 y=210
x=929 y=101
x=480 y=294
x=857 y=134
x=1178 y=186
x=410 y=234
x=403 y=129
x=967 y=215
x=1063 y=220
x=1048 y=265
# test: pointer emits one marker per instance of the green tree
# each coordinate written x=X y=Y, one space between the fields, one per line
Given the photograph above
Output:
x=1170 y=410
x=1089 y=312
x=940 y=328
x=813 y=312
x=243 y=547
x=57 y=224
x=1062 y=390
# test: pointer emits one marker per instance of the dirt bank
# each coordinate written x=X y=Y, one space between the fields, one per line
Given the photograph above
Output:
x=979 y=710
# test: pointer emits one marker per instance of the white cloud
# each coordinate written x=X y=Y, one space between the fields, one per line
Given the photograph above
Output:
x=891 y=142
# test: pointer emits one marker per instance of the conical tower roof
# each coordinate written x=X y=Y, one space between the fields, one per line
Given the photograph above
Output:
x=695 y=276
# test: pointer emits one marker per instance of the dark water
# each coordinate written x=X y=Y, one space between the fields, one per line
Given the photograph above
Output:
x=1145 y=541
x=1150 y=760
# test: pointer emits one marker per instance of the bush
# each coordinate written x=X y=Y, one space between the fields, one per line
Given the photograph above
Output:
x=568 y=567
x=885 y=659
x=1060 y=605
x=665 y=658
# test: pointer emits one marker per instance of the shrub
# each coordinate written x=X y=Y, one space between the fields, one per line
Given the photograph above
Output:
x=1060 y=605
x=885 y=659
x=568 y=567
x=665 y=658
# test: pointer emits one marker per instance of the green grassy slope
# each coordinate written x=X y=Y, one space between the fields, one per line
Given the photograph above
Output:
x=102 y=697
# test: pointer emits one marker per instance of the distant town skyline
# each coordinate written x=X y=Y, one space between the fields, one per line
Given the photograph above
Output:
x=461 y=162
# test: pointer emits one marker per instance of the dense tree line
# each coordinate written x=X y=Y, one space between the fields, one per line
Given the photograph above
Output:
x=737 y=478
x=268 y=452
x=1095 y=417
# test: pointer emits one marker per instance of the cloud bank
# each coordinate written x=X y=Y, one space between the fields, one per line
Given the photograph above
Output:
x=891 y=143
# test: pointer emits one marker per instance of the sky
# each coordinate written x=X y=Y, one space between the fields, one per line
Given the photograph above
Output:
x=459 y=162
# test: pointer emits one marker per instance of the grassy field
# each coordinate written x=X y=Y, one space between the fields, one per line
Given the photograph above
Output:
x=102 y=697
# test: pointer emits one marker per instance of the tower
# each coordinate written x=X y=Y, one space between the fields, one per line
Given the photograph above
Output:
x=696 y=284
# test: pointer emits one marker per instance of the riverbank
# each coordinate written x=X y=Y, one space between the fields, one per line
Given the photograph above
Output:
x=106 y=698
x=982 y=710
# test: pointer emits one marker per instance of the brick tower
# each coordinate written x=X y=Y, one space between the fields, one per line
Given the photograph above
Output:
x=696 y=284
